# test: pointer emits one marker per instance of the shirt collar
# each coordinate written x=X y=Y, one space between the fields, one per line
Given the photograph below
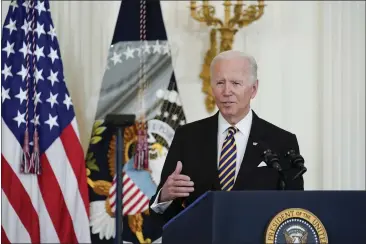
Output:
x=243 y=125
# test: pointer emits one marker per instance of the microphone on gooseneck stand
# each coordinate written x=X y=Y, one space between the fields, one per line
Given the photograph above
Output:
x=297 y=161
x=273 y=161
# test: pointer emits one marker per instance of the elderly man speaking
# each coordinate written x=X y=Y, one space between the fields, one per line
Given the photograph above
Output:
x=225 y=151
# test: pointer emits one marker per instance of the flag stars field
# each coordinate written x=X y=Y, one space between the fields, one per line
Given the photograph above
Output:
x=11 y=26
x=148 y=48
x=53 y=55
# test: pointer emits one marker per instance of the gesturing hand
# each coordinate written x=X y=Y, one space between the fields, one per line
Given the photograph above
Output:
x=177 y=185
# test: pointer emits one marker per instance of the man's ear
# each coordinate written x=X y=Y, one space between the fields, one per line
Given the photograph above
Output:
x=254 y=89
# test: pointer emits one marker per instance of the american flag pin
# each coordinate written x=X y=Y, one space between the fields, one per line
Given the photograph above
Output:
x=255 y=143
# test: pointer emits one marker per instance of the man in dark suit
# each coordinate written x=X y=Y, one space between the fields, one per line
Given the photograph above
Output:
x=224 y=151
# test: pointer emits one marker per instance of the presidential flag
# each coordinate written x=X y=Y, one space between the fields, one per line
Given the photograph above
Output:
x=139 y=79
x=44 y=190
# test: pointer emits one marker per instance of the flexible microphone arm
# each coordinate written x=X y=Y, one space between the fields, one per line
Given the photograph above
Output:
x=272 y=160
x=297 y=161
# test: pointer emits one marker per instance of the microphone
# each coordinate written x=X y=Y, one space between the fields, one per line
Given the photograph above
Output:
x=270 y=158
x=272 y=161
x=297 y=161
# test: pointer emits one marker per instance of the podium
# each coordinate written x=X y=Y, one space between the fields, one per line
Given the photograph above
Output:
x=271 y=217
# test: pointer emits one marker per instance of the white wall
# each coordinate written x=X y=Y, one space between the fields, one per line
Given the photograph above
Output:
x=342 y=77
x=305 y=60
x=311 y=58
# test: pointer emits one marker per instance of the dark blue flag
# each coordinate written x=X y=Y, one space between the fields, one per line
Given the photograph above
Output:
x=139 y=80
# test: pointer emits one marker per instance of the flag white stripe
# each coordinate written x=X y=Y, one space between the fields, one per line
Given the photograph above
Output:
x=132 y=202
x=127 y=185
x=129 y=194
x=48 y=231
x=138 y=206
x=74 y=125
x=14 y=229
x=113 y=187
x=66 y=179
x=125 y=177
x=112 y=198
x=12 y=152
x=146 y=205
x=112 y=201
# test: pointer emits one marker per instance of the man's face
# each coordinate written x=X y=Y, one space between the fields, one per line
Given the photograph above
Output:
x=233 y=88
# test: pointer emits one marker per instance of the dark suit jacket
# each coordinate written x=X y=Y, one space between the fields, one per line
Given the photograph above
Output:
x=195 y=145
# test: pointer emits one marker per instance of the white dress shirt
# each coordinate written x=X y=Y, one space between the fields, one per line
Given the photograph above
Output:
x=241 y=140
x=241 y=137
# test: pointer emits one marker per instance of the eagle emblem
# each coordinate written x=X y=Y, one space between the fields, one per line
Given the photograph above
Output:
x=143 y=182
x=295 y=234
x=102 y=213
x=295 y=225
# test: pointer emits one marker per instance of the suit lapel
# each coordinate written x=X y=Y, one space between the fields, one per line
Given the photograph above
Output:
x=252 y=155
x=210 y=152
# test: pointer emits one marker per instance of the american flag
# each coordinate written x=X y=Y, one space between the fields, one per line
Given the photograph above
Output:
x=134 y=200
x=49 y=205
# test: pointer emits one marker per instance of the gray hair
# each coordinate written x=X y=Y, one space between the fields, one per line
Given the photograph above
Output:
x=230 y=54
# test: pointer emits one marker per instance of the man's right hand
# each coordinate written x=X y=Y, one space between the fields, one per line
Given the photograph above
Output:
x=177 y=185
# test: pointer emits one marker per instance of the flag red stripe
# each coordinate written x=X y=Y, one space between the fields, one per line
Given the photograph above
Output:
x=128 y=189
x=55 y=203
x=4 y=238
x=135 y=204
x=20 y=200
x=131 y=197
x=75 y=155
x=113 y=203
x=125 y=180
x=143 y=205
x=112 y=193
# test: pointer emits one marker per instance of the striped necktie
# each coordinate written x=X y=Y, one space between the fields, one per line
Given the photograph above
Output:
x=227 y=163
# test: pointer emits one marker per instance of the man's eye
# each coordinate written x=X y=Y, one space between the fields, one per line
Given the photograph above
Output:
x=235 y=82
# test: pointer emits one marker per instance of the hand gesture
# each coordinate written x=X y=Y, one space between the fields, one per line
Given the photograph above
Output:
x=177 y=185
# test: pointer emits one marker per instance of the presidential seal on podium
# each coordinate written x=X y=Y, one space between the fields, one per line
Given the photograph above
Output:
x=295 y=225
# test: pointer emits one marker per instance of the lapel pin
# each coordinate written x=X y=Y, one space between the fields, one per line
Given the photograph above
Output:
x=255 y=143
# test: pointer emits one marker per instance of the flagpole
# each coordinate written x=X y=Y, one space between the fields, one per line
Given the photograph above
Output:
x=119 y=170
x=120 y=122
